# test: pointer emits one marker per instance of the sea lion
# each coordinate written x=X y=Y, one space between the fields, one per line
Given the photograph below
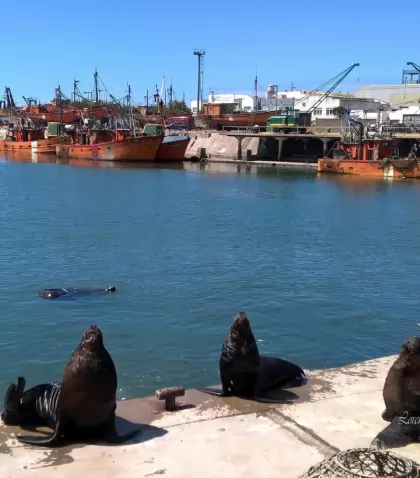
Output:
x=56 y=293
x=244 y=372
x=87 y=401
x=38 y=405
x=401 y=395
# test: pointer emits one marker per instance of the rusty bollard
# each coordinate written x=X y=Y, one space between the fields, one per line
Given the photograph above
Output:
x=169 y=395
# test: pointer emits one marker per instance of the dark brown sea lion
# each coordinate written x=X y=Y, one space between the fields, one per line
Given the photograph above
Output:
x=401 y=395
x=244 y=372
x=87 y=402
x=38 y=405
x=60 y=292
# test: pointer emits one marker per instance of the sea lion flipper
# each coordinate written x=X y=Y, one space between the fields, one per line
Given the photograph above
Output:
x=50 y=440
x=213 y=391
x=112 y=436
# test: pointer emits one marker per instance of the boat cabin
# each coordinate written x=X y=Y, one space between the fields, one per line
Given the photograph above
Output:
x=370 y=150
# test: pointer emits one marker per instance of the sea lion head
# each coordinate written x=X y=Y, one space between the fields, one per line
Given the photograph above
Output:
x=92 y=338
x=48 y=294
x=411 y=347
x=241 y=325
x=111 y=288
x=12 y=413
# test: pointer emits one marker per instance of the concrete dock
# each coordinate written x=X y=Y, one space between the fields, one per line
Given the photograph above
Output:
x=212 y=437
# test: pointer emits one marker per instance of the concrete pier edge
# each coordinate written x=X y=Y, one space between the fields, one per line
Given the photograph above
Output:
x=209 y=436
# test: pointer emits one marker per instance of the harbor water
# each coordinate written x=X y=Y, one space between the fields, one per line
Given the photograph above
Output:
x=326 y=267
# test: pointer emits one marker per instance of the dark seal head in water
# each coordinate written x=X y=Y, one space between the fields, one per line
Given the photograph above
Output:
x=60 y=292
x=401 y=395
x=38 y=405
x=244 y=372
x=87 y=403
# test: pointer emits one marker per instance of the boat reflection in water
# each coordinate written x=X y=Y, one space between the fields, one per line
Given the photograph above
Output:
x=28 y=156
x=31 y=157
x=84 y=163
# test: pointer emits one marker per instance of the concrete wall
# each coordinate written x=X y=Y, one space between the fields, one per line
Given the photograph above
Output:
x=220 y=146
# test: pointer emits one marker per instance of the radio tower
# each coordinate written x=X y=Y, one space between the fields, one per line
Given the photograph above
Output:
x=200 y=54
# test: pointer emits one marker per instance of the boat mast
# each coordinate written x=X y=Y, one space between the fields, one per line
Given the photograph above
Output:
x=130 y=111
x=256 y=92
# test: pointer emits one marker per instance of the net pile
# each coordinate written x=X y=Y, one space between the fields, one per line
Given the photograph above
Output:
x=364 y=463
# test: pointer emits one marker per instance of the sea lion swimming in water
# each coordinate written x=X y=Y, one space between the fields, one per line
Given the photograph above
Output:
x=87 y=400
x=56 y=293
x=38 y=405
x=244 y=372
x=401 y=395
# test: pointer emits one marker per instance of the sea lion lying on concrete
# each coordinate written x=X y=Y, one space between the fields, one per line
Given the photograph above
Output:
x=402 y=398
x=246 y=373
x=37 y=406
x=87 y=400
x=56 y=293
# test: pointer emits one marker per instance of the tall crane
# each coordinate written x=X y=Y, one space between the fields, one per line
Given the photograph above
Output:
x=336 y=80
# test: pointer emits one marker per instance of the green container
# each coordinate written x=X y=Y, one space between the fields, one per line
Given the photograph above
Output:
x=53 y=129
x=150 y=129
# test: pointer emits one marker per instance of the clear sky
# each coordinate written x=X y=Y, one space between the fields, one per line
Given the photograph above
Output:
x=139 y=41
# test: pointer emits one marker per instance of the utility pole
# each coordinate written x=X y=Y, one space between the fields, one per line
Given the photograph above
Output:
x=200 y=54
x=95 y=78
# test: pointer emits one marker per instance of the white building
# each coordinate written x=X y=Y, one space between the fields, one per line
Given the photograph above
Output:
x=395 y=95
x=247 y=102
x=305 y=100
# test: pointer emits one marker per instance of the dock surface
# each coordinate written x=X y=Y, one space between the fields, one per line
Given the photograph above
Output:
x=211 y=436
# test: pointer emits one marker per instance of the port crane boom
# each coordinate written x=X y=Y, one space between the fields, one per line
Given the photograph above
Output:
x=416 y=67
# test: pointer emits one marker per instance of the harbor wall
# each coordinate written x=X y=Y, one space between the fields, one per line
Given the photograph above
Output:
x=211 y=436
x=214 y=145
x=220 y=146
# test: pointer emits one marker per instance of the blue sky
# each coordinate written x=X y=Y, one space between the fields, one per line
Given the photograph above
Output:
x=136 y=41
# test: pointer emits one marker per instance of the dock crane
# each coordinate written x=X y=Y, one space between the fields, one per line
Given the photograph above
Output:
x=416 y=67
x=9 y=101
x=30 y=101
x=336 y=79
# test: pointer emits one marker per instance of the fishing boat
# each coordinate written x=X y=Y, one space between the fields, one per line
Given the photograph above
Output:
x=22 y=139
x=215 y=116
x=369 y=156
x=173 y=146
x=110 y=145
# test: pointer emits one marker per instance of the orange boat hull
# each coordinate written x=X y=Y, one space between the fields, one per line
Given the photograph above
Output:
x=38 y=146
x=172 y=150
x=143 y=148
x=395 y=169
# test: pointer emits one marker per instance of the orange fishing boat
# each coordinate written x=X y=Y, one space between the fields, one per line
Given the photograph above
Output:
x=173 y=148
x=370 y=157
x=29 y=139
x=110 y=145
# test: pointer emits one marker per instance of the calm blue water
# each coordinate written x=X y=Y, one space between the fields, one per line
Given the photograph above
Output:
x=326 y=268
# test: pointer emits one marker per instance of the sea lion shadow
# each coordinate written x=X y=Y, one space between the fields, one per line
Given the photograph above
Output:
x=122 y=426
x=396 y=435
x=277 y=395
x=146 y=432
